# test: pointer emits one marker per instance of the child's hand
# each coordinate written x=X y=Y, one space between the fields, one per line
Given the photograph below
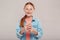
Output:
x=34 y=31
x=22 y=31
x=28 y=27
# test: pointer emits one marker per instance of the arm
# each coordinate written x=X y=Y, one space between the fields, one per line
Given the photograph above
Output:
x=18 y=29
x=39 y=30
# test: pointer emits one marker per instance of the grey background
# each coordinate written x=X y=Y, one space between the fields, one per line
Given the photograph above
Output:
x=48 y=11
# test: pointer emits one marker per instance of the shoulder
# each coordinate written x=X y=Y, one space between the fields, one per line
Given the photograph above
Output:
x=18 y=22
x=36 y=19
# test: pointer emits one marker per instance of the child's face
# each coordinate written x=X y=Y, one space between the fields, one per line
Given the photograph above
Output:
x=28 y=10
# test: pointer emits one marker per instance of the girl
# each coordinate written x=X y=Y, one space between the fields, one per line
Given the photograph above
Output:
x=28 y=27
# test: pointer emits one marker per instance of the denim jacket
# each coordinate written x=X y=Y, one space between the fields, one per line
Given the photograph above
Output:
x=36 y=24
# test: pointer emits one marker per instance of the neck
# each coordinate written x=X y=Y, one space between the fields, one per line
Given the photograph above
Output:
x=29 y=16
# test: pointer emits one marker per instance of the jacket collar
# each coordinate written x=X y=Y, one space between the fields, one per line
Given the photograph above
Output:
x=33 y=19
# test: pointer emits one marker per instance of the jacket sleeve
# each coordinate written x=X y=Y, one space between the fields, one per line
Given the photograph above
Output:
x=39 y=30
x=18 y=29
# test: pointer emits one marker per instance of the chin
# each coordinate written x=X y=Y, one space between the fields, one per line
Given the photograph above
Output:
x=28 y=15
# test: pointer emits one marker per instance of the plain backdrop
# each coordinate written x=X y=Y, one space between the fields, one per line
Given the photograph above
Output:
x=48 y=11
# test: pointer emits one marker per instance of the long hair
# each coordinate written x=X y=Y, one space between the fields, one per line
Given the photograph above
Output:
x=23 y=19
